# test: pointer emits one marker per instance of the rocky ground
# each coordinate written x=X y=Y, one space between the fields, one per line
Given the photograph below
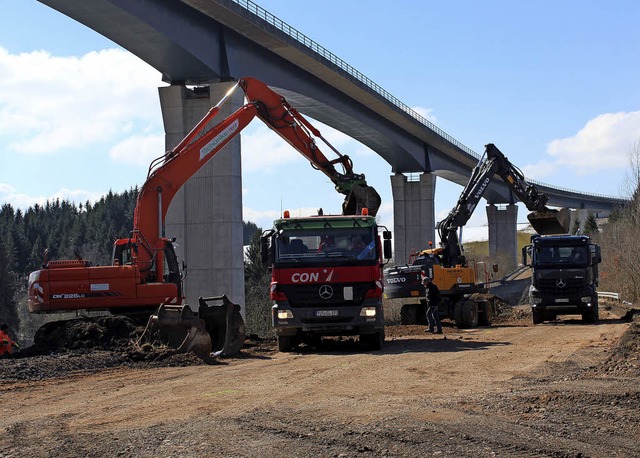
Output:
x=561 y=389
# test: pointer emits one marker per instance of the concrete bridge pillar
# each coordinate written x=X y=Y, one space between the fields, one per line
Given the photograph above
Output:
x=413 y=214
x=206 y=214
x=503 y=240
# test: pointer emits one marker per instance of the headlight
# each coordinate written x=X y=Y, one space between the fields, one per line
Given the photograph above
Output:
x=586 y=299
x=535 y=301
x=368 y=312
x=284 y=314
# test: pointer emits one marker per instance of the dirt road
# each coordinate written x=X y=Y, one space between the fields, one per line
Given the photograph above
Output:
x=561 y=389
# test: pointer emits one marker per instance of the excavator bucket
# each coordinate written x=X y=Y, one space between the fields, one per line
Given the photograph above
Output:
x=217 y=328
x=178 y=327
x=224 y=324
x=548 y=221
x=359 y=197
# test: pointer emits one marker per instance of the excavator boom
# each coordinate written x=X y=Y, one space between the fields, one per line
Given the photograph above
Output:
x=543 y=219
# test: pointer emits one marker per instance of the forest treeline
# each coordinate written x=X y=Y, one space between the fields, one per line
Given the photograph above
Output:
x=65 y=230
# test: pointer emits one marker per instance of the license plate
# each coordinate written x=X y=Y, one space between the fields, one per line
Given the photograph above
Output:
x=326 y=313
x=561 y=300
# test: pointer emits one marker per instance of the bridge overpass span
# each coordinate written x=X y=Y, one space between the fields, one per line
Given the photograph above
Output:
x=211 y=42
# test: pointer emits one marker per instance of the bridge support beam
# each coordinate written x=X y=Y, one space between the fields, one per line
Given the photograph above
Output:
x=413 y=214
x=503 y=240
x=206 y=214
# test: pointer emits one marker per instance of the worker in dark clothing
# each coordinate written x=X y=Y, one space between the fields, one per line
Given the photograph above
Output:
x=433 y=297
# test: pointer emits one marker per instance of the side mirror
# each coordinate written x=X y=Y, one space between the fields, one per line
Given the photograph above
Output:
x=386 y=235
x=387 y=251
x=264 y=249
x=526 y=250
x=598 y=257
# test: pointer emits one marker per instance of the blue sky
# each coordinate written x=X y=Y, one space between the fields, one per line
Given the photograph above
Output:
x=553 y=84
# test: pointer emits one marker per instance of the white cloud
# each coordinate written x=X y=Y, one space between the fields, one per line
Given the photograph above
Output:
x=49 y=103
x=138 y=150
x=262 y=218
x=602 y=143
x=540 y=170
x=426 y=113
x=265 y=151
x=23 y=201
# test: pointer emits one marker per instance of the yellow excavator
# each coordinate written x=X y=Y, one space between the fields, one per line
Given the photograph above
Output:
x=464 y=298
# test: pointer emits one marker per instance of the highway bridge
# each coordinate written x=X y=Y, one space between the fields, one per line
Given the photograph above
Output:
x=212 y=42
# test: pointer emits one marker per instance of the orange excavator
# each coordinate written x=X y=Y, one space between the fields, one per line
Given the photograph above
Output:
x=144 y=275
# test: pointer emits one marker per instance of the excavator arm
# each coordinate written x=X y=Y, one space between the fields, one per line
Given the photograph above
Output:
x=170 y=171
x=286 y=121
x=493 y=162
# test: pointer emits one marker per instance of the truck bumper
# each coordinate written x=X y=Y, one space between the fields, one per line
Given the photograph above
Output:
x=328 y=321
x=562 y=305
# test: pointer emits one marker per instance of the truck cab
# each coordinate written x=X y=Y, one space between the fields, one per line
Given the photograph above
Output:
x=564 y=276
x=326 y=278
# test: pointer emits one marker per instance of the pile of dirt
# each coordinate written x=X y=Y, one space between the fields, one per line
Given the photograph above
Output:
x=88 y=344
x=624 y=360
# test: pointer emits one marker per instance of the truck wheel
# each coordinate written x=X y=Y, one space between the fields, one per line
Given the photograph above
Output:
x=537 y=317
x=409 y=314
x=591 y=315
x=285 y=343
x=373 y=341
x=486 y=313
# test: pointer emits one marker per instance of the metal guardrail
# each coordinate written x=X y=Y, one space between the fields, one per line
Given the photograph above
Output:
x=608 y=295
x=294 y=33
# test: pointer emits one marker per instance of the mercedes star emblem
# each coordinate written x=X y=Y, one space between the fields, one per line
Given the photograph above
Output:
x=561 y=283
x=325 y=292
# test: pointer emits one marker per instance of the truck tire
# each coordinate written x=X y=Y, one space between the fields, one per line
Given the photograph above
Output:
x=485 y=317
x=537 y=317
x=409 y=314
x=591 y=315
x=285 y=343
x=373 y=341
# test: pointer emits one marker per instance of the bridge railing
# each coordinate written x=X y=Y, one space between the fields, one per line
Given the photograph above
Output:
x=346 y=67
x=328 y=55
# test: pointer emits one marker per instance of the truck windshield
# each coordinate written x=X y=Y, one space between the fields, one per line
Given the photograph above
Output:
x=574 y=256
x=357 y=243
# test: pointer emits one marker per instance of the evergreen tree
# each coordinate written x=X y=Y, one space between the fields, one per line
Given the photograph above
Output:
x=591 y=225
x=257 y=281
x=576 y=226
x=7 y=290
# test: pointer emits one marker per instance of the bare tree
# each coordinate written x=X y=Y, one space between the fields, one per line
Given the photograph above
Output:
x=620 y=270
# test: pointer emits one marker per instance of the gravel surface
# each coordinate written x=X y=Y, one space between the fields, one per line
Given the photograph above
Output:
x=562 y=389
